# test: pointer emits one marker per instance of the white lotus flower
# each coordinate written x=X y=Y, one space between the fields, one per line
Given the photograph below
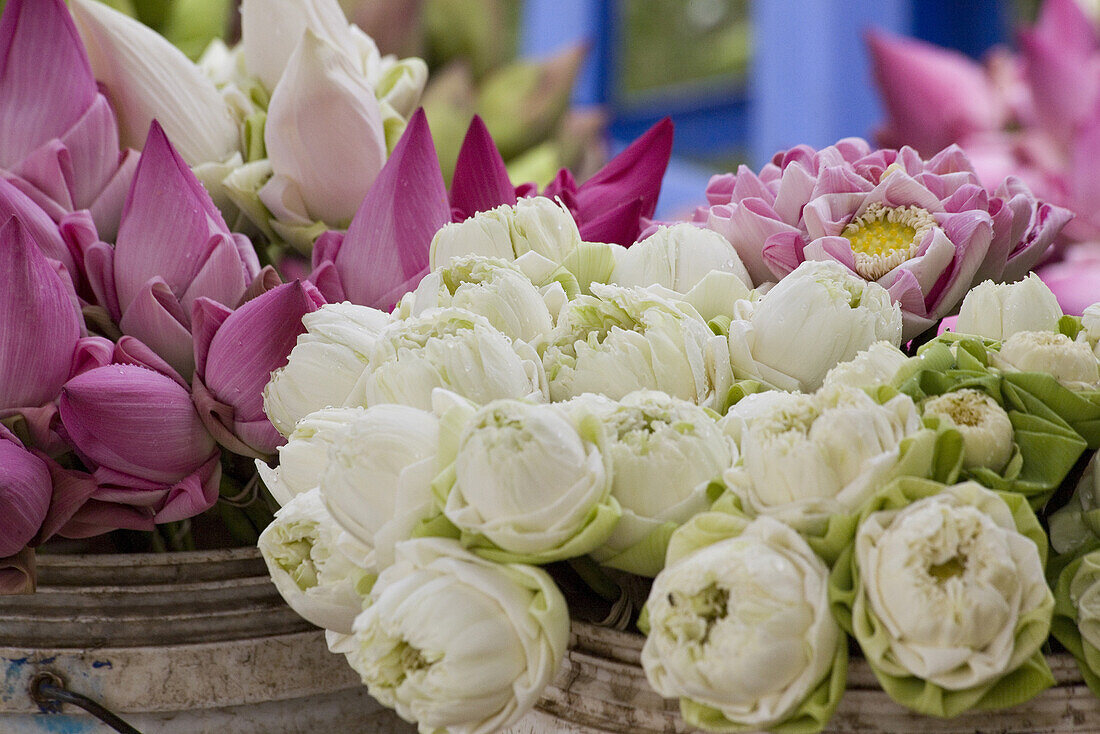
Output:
x=304 y=457
x=148 y=78
x=318 y=569
x=813 y=319
x=533 y=480
x=948 y=578
x=325 y=364
x=999 y=310
x=986 y=430
x=324 y=137
x=743 y=626
x=1071 y=363
x=806 y=457
x=495 y=288
x=876 y=365
x=677 y=258
x=534 y=224
x=619 y=340
x=377 y=484
x=664 y=453
x=454 y=349
x=1085 y=594
x=457 y=643
x=271 y=29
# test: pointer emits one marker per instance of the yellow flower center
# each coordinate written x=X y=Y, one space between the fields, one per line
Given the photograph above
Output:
x=884 y=237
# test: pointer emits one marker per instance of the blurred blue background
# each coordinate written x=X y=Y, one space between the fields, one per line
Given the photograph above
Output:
x=743 y=79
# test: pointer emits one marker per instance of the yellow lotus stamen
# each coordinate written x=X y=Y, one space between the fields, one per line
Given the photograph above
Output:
x=884 y=237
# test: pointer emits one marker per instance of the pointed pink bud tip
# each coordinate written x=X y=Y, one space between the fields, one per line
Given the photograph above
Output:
x=481 y=179
x=389 y=238
x=46 y=82
x=41 y=324
x=131 y=420
x=634 y=174
x=25 y=490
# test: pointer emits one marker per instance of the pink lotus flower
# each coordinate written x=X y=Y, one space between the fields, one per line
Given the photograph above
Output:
x=1076 y=279
x=58 y=136
x=139 y=434
x=235 y=354
x=924 y=230
x=173 y=247
x=385 y=251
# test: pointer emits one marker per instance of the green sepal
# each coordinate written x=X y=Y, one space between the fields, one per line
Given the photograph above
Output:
x=253 y=133
x=647 y=556
x=591 y=262
x=1065 y=628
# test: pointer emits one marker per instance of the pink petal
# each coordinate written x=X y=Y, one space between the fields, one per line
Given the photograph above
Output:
x=1063 y=22
x=46 y=82
x=99 y=262
x=636 y=173
x=129 y=350
x=39 y=225
x=195 y=494
x=933 y=96
x=71 y=489
x=41 y=324
x=17 y=573
x=831 y=248
x=218 y=419
x=1075 y=292
x=327 y=279
x=389 y=238
x=207 y=317
x=107 y=207
x=96 y=517
x=91 y=352
x=783 y=252
x=167 y=223
x=747 y=226
x=1065 y=85
x=131 y=419
x=795 y=188
x=156 y=317
x=251 y=343
x=25 y=490
x=222 y=278
x=49 y=169
x=619 y=225
x=480 y=179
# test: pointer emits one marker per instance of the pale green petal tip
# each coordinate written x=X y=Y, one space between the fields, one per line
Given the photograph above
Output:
x=596 y=530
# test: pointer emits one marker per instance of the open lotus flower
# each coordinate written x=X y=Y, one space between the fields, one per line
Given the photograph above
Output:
x=173 y=248
x=235 y=354
x=138 y=432
x=924 y=230
x=385 y=251
x=60 y=142
x=1075 y=280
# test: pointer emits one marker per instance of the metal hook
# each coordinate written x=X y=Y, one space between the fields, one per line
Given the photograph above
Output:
x=48 y=691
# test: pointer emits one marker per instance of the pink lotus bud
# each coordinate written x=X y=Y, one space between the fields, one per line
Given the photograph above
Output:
x=173 y=247
x=58 y=135
x=136 y=427
x=41 y=324
x=235 y=354
x=385 y=251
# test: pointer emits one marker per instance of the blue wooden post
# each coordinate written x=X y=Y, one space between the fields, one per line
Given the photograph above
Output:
x=548 y=26
x=811 y=80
